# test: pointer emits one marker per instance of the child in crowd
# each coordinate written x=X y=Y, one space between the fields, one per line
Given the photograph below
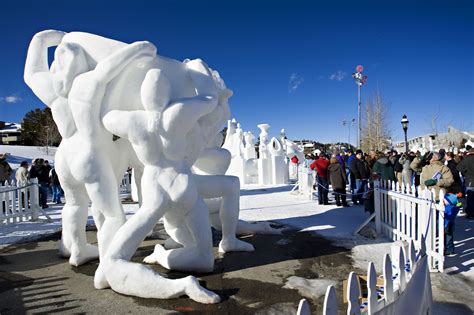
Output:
x=451 y=209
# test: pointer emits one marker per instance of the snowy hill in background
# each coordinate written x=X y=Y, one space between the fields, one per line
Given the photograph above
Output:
x=19 y=153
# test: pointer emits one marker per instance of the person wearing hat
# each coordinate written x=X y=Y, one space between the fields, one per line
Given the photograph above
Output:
x=5 y=169
x=451 y=209
x=466 y=167
x=436 y=175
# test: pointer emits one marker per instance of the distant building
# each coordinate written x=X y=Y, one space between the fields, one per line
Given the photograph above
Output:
x=10 y=133
x=452 y=140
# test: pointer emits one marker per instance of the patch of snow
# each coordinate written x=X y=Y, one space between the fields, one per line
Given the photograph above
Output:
x=309 y=288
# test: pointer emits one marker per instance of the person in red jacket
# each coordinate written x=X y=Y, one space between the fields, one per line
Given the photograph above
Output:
x=321 y=167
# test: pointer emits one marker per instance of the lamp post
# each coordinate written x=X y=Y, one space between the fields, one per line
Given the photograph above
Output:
x=404 y=123
x=359 y=80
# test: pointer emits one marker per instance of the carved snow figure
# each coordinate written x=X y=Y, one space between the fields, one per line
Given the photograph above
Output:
x=168 y=186
x=278 y=168
x=75 y=94
x=264 y=159
x=249 y=149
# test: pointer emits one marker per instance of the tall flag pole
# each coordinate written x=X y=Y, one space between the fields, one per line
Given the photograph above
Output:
x=360 y=80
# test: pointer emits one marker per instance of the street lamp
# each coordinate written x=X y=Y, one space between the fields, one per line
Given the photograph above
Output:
x=359 y=80
x=404 y=123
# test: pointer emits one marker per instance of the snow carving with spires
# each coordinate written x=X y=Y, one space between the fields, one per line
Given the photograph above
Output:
x=271 y=167
x=168 y=115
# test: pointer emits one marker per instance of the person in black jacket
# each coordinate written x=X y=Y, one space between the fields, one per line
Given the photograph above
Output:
x=360 y=171
x=56 y=186
x=456 y=186
x=41 y=172
x=466 y=167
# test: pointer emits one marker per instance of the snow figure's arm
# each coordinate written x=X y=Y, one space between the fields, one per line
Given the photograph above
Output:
x=155 y=91
x=37 y=75
x=131 y=125
x=110 y=67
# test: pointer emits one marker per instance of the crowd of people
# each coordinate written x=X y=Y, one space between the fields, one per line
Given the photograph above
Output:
x=453 y=173
x=48 y=181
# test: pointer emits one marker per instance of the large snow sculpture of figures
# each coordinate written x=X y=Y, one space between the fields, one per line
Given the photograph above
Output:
x=171 y=112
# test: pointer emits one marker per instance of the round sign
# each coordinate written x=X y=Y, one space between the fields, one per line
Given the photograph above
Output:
x=359 y=68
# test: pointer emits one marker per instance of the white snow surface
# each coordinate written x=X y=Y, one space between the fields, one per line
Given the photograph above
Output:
x=309 y=288
x=277 y=204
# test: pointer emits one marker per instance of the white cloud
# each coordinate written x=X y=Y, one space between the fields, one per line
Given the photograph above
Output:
x=294 y=82
x=338 y=76
x=10 y=99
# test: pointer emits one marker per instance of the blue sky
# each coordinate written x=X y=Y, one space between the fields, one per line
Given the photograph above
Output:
x=289 y=63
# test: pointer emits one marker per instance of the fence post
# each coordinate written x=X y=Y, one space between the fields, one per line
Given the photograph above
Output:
x=372 y=302
x=353 y=293
x=378 y=212
x=34 y=201
x=330 y=301
x=388 y=281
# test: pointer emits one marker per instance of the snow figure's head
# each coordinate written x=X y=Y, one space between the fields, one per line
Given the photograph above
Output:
x=69 y=61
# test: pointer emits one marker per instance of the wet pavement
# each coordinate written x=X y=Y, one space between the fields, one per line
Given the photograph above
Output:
x=34 y=279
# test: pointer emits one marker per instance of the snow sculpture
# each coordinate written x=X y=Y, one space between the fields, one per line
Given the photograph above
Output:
x=92 y=76
x=279 y=168
x=249 y=149
x=264 y=162
x=271 y=168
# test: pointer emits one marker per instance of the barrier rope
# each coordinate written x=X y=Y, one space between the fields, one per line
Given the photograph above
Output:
x=17 y=188
x=355 y=194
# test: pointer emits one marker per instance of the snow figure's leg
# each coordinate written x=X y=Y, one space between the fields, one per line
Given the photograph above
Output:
x=135 y=279
x=105 y=198
x=227 y=187
x=243 y=227
x=195 y=236
x=73 y=242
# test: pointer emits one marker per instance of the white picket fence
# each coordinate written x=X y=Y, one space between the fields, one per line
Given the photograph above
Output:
x=19 y=204
x=405 y=213
x=404 y=287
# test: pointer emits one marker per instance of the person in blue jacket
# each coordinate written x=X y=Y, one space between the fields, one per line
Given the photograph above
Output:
x=451 y=209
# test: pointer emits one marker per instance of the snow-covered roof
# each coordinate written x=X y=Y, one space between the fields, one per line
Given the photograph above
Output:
x=10 y=126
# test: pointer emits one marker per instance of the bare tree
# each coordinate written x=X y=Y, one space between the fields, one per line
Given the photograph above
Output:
x=375 y=129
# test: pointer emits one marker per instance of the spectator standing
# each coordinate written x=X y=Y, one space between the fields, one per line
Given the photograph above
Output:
x=466 y=167
x=416 y=166
x=56 y=186
x=383 y=168
x=321 y=167
x=338 y=179
x=39 y=171
x=436 y=175
x=352 y=181
x=405 y=160
x=451 y=209
x=5 y=169
x=397 y=167
x=456 y=186
x=22 y=175
x=361 y=173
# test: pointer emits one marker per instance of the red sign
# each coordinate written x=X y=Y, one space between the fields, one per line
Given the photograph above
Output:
x=359 y=68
